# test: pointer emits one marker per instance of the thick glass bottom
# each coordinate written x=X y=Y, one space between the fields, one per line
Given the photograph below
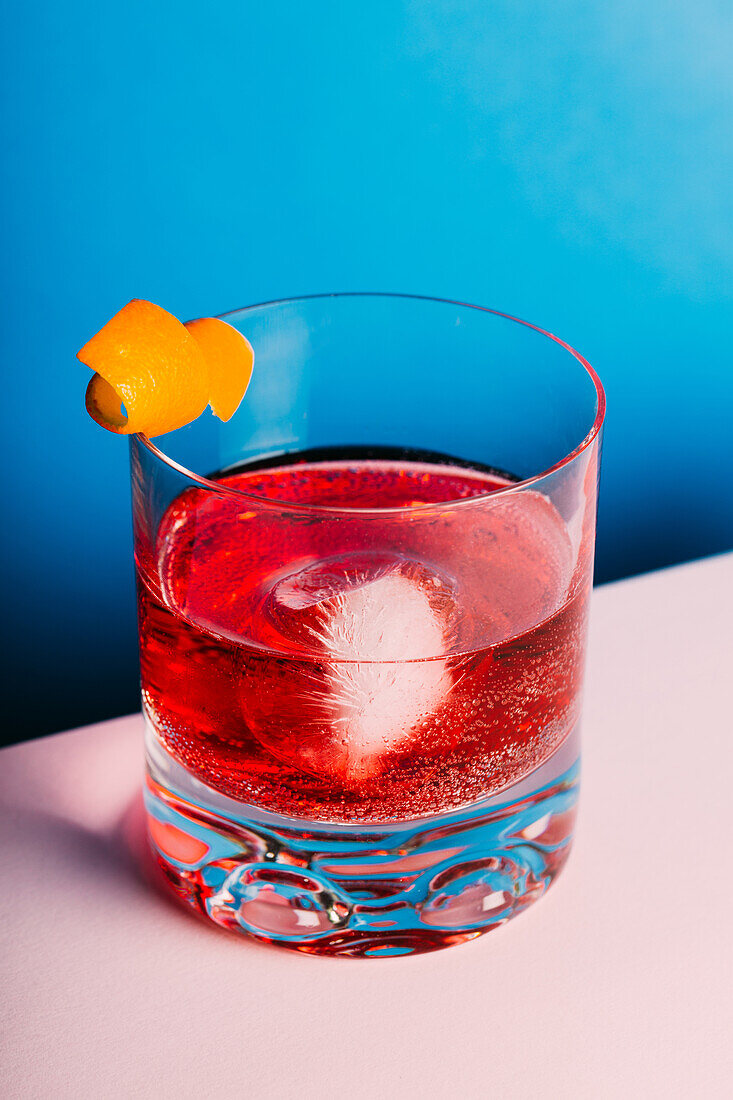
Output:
x=363 y=890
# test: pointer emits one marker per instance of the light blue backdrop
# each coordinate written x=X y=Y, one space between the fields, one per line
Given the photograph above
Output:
x=567 y=162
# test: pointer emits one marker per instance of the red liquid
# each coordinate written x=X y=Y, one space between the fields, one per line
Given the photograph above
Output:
x=273 y=642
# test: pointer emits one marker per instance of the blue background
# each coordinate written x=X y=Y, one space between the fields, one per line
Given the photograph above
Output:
x=567 y=162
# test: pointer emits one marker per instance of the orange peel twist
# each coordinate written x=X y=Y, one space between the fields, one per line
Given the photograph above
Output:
x=165 y=373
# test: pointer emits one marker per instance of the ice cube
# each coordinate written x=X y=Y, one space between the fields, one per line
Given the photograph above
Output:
x=379 y=626
x=366 y=607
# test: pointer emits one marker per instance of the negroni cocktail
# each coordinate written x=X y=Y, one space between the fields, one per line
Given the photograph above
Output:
x=362 y=639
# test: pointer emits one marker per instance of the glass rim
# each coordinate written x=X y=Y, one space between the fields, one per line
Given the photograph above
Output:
x=292 y=506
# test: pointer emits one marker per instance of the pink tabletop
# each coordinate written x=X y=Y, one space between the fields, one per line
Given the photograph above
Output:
x=617 y=984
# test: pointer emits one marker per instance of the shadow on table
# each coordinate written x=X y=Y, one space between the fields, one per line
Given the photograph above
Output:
x=108 y=864
x=59 y=830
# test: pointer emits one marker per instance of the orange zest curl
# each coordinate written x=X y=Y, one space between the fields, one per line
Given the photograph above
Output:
x=165 y=373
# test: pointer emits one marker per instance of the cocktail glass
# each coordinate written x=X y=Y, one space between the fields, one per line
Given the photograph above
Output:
x=363 y=606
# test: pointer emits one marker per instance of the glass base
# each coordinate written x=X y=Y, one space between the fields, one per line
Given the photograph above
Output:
x=361 y=890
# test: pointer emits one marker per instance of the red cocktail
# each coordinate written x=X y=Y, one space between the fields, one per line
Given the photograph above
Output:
x=362 y=662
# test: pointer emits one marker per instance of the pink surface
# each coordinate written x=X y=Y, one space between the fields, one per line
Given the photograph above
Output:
x=617 y=984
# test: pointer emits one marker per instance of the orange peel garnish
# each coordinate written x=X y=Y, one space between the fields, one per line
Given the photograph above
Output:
x=164 y=372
